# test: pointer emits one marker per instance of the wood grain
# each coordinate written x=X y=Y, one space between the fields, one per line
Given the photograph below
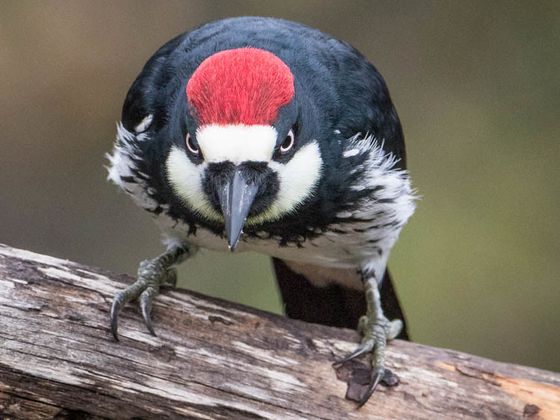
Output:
x=214 y=359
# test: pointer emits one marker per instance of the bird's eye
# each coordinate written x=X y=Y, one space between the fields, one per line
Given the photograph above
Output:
x=193 y=148
x=288 y=142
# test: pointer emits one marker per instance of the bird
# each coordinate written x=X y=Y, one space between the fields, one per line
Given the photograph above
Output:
x=262 y=134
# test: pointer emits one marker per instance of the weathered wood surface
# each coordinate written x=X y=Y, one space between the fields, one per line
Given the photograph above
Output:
x=214 y=359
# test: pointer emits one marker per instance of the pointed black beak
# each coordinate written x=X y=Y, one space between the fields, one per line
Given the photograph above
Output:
x=236 y=198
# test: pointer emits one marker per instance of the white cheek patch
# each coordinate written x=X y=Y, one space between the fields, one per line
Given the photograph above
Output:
x=186 y=180
x=298 y=177
x=236 y=142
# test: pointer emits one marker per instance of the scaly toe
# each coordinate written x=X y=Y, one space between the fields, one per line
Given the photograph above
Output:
x=171 y=277
x=145 y=288
x=363 y=324
x=395 y=328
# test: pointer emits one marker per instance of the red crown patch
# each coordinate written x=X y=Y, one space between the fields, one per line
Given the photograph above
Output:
x=240 y=86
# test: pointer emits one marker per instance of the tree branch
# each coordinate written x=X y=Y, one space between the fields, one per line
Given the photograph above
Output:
x=215 y=359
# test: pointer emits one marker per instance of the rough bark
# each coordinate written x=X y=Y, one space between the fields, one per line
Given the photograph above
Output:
x=215 y=359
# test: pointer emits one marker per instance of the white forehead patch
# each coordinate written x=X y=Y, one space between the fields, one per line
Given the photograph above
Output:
x=236 y=142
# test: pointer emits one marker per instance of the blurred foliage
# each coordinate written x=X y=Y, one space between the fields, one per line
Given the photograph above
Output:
x=477 y=88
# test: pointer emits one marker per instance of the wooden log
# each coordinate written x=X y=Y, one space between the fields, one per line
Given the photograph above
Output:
x=215 y=359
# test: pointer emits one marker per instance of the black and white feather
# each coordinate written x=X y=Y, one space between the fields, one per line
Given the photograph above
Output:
x=342 y=197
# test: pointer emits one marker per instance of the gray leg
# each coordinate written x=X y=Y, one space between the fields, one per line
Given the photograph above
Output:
x=151 y=275
x=376 y=330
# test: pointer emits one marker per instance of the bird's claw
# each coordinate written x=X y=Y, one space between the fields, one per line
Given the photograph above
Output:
x=376 y=333
x=116 y=306
x=377 y=375
x=361 y=349
x=145 y=302
x=151 y=275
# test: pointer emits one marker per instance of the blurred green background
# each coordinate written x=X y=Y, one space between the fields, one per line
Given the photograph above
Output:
x=477 y=86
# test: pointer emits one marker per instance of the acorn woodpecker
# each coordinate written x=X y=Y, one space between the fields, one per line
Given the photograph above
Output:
x=260 y=134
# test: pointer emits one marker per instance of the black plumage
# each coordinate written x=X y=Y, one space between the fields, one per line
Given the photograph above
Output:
x=358 y=204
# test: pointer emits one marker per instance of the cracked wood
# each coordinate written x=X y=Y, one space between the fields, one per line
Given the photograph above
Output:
x=214 y=359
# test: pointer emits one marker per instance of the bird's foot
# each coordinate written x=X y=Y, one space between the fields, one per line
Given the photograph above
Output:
x=376 y=332
x=151 y=275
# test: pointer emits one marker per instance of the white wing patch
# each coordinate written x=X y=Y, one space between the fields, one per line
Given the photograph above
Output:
x=378 y=218
x=394 y=192
x=123 y=170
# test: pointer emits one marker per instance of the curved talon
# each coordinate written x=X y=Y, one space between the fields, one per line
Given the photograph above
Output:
x=363 y=348
x=378 y=374
x=115 y=309
x=146 y=308
x=120 y=300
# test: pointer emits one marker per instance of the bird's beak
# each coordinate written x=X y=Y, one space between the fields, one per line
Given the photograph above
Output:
x=236 y=198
